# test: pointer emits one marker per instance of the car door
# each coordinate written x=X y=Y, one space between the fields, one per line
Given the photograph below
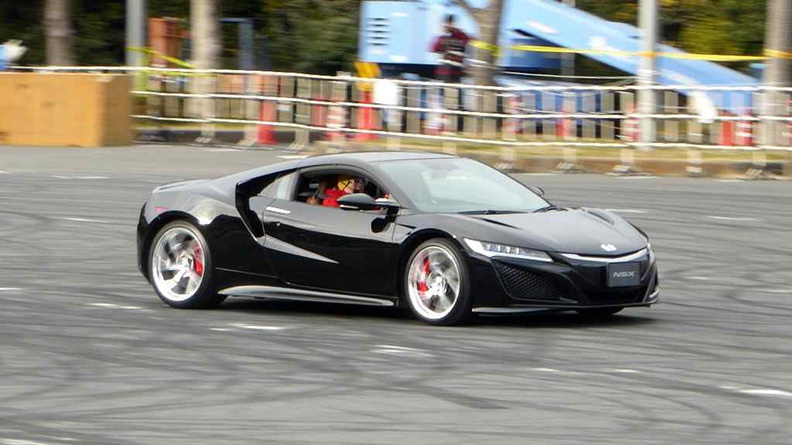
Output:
x=330 y=248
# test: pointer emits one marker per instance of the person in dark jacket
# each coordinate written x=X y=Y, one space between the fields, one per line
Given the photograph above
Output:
x=452 y=46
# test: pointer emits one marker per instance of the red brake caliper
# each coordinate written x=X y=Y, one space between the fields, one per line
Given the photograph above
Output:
x=422 y=286
x=197 y=259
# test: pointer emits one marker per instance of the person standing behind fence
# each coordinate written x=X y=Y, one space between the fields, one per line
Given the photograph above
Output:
x=451 y=45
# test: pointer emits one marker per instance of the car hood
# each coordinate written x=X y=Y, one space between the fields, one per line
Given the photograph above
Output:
x=582 y=231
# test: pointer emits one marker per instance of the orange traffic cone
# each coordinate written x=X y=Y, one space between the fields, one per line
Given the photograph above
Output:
x=631 y=126
x=743 y=132
x=727 y=132
x=365 y=119
x=265 y=134
x=335 y=123
x=566 y=128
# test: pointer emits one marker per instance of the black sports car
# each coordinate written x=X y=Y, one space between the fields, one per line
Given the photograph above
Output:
x=446 y=236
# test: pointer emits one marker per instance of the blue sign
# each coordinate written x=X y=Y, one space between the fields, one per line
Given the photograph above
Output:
x=401 y=32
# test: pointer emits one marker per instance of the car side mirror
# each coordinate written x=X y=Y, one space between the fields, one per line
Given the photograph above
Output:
x=362 y=201
x=536 y=189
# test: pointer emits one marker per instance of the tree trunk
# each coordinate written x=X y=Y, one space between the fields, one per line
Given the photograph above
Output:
x=57 y=22
x=778 y=40
x=205 y=33
x=489 y=20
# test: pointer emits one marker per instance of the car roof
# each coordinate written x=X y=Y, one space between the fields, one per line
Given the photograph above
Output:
x=367 y=157
x=358 y=159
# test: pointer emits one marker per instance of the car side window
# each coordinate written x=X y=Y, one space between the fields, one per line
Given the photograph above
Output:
x=323 y=189
x=280 y=188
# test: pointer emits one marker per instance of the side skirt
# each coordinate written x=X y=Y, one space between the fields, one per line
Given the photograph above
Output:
x=280 y=293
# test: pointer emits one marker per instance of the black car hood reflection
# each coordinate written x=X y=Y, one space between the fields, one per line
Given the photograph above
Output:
x=580 y=231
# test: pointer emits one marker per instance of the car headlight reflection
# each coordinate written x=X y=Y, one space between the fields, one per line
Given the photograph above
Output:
x=501 y=250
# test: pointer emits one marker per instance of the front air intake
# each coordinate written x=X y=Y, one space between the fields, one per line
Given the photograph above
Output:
x=522 y=284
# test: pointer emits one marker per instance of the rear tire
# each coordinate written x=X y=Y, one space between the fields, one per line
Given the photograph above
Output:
x=436 y=283
x=599 y=313
x=180 y=267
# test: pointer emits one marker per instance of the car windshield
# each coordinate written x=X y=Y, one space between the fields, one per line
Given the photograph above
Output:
x=454 y=185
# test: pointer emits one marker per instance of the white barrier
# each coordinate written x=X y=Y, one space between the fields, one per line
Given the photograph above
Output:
x=510 y=117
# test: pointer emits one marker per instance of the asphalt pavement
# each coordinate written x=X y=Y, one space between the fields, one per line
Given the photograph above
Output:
x=88 y=353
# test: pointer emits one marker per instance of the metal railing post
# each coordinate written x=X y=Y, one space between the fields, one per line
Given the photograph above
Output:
x=608 y=129
x=395 y=122
x=285 y=109
x=207 y=108
x=630 y=134
x=451 y=123
x=302 y=115
x=670 y=126
x=508 y=155
x=529 y=125
x=548 y=106
x=252 y=110
x=338 y=118
x=589 y=106
x=472 y=102
x=414 y=117
x=569 y=154
x=434 y=120
x=490 y=106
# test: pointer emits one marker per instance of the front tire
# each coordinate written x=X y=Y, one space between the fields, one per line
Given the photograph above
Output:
x=180 y=267
x=437 y=284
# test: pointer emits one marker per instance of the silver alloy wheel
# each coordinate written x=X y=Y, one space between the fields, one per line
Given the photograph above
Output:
x=177 y=264
x=433 y=282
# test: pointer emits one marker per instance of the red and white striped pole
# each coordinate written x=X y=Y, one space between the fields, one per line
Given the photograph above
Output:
x=743 y=131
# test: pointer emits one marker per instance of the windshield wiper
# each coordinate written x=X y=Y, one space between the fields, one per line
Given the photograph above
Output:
x=547 y=208
x=489 y=212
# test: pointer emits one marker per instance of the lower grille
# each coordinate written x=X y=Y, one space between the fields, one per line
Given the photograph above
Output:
x=617 y=297
x=525 y=285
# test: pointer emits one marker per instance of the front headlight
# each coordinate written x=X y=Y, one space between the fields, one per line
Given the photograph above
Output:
x=490 y=250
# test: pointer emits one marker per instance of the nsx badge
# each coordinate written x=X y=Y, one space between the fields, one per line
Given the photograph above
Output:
x=608 y=247
x=624 y=274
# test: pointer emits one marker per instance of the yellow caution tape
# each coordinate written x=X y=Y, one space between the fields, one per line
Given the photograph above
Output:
x=769 y=53
x=712 y=57
x=178 y=62
x=165 y=57
x=776 y=54
x=486 y=46
x=553 y=49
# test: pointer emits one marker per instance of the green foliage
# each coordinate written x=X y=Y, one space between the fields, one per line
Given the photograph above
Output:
x=615 y=10
x=314 y=36
x=23 y=20
x=98 y=31
x=702 y=26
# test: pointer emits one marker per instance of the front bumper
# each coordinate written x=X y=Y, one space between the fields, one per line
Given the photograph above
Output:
x=569 y=282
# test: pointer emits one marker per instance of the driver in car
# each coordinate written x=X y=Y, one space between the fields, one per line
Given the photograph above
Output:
x=346 y=185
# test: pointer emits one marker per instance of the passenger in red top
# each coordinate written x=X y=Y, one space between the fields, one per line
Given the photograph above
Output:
x=452 y=45
x=345 y=186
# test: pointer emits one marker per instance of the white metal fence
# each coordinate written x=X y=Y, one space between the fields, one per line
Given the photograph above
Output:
x=266 y=105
